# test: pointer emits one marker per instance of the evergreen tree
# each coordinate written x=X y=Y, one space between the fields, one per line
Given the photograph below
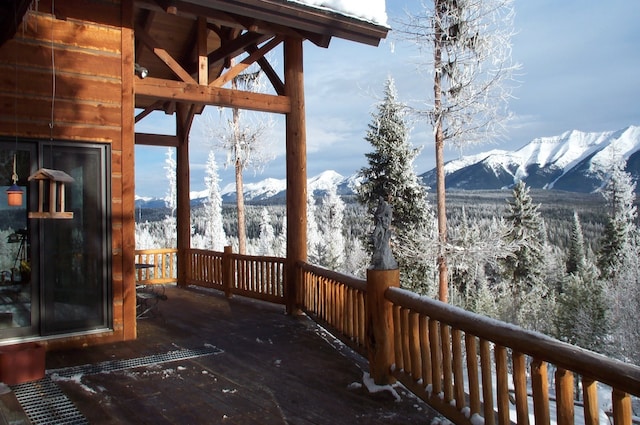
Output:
x=576 y=259
x=619 y=193
x=314 y=240
x=525 y=294
x=390 y=175
x=581 y=316
x=215 y=238
x=267 y=234
x=331 y=216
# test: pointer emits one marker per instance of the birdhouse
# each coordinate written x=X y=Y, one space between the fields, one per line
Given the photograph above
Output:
x=51 y=202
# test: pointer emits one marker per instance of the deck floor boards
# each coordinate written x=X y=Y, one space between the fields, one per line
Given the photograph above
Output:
x=272 y=369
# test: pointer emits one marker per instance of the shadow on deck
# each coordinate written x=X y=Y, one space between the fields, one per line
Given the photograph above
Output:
x=255 y=366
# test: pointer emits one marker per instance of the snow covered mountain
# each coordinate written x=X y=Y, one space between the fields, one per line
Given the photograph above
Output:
x=574 y=161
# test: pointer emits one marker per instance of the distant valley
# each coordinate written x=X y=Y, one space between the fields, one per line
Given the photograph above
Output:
x=574 y=161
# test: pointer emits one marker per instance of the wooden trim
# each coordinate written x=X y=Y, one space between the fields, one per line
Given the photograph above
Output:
x=147 y=139
x=194 y=93
x=164 y=56
x=127 y=292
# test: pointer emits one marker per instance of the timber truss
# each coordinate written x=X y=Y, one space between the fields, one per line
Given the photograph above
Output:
x=192 y=50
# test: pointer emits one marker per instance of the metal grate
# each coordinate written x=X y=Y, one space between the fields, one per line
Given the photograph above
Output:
x=115 y=365
x=44 y=403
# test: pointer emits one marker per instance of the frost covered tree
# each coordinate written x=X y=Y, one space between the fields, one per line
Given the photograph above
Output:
x=525 y=292
x=619 y=193
x=267 y=236
x=576 y=260
x=170 y=199
x=314 y=239
x=245 y=138
x=390 y=175
x=330 y=225
x=581 y=316
x=470 y=42
x=215 y=238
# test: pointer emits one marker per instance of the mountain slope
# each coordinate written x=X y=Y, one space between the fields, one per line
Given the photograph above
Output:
x=574 y=161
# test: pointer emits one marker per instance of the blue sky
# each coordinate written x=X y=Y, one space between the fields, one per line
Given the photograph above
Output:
x=580 y=70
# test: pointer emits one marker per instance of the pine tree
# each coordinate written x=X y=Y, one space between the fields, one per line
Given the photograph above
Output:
x=331 y=216
x=314 y=240
x=215 y=238
x=576 y=259
x=525 y=296
x=267 y=234
x=619 y=193
x=390 y=175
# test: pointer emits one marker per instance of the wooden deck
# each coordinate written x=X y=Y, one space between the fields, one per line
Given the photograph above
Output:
x=265 y=368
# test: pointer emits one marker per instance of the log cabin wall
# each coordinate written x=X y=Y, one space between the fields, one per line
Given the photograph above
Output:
x=68 y=75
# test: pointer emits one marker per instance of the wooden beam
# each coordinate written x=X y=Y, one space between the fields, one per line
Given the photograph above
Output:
x=155 y=106
x=296 y=154
x=236 y=46
x=184 y=119
x=201 y=45
x=268 y=70
x=164 y=140
x=246 y=62
x=164 y=56
x=194 y=93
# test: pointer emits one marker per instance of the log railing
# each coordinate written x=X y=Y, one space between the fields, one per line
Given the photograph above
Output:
x=335 y=300
x=468 y=366
x=156 y=266
x=251 y=276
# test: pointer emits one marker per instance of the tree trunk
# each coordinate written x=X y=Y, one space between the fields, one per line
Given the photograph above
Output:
x=242 y=230
x=439 y=142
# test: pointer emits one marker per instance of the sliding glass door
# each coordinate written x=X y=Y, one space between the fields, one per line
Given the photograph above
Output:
x=69 y=259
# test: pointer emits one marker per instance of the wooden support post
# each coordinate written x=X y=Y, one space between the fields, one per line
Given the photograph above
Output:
x=296 y=146
x=227 y=272
x=184 y=119
x=379 y=324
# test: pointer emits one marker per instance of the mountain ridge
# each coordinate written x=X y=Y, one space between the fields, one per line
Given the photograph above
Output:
x=573 y=161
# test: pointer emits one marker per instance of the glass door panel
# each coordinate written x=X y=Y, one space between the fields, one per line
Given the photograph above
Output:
x=18 y=293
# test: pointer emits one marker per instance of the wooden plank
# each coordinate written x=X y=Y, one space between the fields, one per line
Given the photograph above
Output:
x=64 y=111
x=76 y=34
x=41 y=130
x=30 y=82
x=38 y=56
x=164 y=56
x=425 y=350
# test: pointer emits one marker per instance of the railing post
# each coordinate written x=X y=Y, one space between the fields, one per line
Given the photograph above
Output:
x=227 y=271
x=379 y=324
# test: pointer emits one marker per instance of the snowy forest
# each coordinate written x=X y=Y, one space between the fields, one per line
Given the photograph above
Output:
x=566 y=266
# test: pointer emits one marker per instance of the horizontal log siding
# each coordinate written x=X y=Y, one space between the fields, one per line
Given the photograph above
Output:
x=85 y=59
x=334 y=300
x=164 y=266
x=437 y=344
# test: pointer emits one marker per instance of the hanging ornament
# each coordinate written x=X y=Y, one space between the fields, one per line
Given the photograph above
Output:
x=14 y=193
